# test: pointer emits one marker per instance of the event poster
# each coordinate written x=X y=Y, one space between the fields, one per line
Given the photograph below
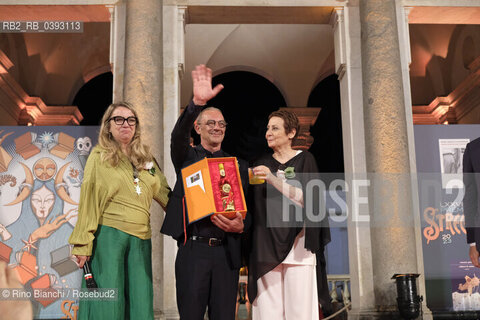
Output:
x=450 y=278
x=41 y=170
x=465 y=295
x=451 y=156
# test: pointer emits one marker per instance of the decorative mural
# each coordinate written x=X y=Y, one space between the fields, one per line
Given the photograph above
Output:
x=41 y=170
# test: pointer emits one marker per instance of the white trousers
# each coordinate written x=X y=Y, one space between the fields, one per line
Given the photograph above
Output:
x=288 y=292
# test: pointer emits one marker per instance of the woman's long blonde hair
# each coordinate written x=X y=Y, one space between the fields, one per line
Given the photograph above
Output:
x=138 y=153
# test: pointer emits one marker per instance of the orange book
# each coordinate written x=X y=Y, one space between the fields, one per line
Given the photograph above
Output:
x=65 y=146
x=24 y=146
x=44 y=293
x=203 y=194
x=5 y=252
x=26 y=267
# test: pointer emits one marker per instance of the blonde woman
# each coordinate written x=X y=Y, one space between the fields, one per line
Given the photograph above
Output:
x=113 y=231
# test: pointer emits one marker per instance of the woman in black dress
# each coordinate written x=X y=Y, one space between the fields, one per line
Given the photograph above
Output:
x=282 y=278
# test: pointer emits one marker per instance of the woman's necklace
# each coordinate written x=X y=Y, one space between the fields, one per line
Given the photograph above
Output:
x=136 y=180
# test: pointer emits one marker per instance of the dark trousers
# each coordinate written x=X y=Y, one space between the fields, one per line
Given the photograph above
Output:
x=204 y=278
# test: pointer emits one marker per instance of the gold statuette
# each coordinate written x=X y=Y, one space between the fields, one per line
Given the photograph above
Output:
x=225 y=190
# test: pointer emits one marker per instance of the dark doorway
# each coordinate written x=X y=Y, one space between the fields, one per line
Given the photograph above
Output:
x=93 y=98
x=327 y=146
x=246 y=101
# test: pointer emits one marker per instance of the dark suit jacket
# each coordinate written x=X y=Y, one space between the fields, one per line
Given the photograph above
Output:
x=471 y=179
x=184 y=155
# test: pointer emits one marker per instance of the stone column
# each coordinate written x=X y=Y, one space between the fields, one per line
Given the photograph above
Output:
x=346 y=29
x=406 y=59
x=117 y=48
x=392 y=229
x=174 y=61
x=143 y=87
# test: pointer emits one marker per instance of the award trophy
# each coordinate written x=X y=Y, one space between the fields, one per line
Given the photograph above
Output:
x=225 y=190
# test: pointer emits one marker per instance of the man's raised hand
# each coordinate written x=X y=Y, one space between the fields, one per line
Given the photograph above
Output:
x=202 y=85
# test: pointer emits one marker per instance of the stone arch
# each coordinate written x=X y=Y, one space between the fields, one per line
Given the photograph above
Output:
x=94 y=97
x=89 y=75
x=455 y=58
x=254 y=70
x=265 y=51
x=327 y=69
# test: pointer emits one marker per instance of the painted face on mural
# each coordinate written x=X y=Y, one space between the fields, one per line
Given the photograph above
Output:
x=42 y=202
x=84 y=145
x=44 y=169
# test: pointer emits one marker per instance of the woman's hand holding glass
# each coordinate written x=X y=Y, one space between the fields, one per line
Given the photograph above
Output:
x=262 y=173
x=254 y=179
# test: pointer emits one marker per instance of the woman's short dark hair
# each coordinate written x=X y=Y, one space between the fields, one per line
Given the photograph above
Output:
x=290 y=121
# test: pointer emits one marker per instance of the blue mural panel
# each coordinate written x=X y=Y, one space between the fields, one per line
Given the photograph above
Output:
x=41 y=170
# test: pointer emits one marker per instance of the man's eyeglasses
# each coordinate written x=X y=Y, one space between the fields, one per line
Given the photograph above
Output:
x=211 y=123
x=119 y=121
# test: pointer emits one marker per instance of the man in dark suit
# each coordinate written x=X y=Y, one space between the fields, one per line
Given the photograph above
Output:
x=471 y=205
x=209 y=252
